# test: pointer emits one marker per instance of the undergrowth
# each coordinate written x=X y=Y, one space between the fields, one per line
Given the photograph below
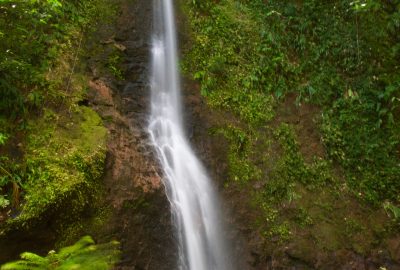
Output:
x=84 y=254
x=340 y=56
x=52 y=151
x=63 y=162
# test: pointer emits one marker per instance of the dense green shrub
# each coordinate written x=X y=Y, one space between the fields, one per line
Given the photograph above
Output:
x=32 y=35
x=40 y=43
x=341 y=55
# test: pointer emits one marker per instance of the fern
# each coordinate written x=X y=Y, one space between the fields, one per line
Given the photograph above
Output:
x=83 y=255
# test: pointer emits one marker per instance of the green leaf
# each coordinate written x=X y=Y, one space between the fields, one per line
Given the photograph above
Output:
x=83 y=255
x=3 y=138
x=4 y=202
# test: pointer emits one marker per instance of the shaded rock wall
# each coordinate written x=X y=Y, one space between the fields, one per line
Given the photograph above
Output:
x=140 y=217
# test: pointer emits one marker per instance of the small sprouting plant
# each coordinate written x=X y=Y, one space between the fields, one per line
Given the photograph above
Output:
x=3 y=138
x=3 y=202
x=113 y=65
x=392 y=210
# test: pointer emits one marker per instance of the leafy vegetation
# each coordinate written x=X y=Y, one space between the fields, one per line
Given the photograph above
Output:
x=228 y=77
x=241 y=168
x=113 y=64
x=33 y=34
x=291 y=168
x=346 y=62
x=249 y=56
x=51 y=149
x=84 y=255
x=62 y=164
x=340 y=58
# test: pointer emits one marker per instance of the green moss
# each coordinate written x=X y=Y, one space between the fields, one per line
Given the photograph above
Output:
x=367 y=152
x=328 y=236
x=290 y=170
x=241 y=168
x=65 y=157
x=138 y=203
x=274 y=228
x=303 y=218
x=91 y=222
x=352 y=227
x=281 y=231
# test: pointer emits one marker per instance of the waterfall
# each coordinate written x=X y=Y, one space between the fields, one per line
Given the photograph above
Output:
x=193 y=199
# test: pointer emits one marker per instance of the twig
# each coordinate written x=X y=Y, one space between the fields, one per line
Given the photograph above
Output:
x=358 y=40
x=4 y=170
x=74 y=62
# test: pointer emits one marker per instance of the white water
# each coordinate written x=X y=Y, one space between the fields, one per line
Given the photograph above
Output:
x=193 y=199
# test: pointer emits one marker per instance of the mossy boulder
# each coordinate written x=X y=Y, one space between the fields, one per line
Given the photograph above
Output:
x=64 y=160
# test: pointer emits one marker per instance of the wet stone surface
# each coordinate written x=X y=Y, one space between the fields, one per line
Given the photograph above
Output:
x=140 y=218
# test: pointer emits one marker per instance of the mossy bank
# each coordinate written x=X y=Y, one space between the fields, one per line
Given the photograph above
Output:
x=54 y=147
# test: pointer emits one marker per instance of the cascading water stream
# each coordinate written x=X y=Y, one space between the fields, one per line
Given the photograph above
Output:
x=193 y=200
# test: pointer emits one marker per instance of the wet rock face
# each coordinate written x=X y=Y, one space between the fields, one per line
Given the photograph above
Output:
x=141 y=218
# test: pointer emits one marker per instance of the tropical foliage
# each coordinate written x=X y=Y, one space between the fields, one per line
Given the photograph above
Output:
x=84 y=255
x=40 y=45
x=347 y=62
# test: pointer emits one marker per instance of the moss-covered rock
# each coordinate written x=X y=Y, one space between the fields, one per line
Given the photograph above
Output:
x=65 y=159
